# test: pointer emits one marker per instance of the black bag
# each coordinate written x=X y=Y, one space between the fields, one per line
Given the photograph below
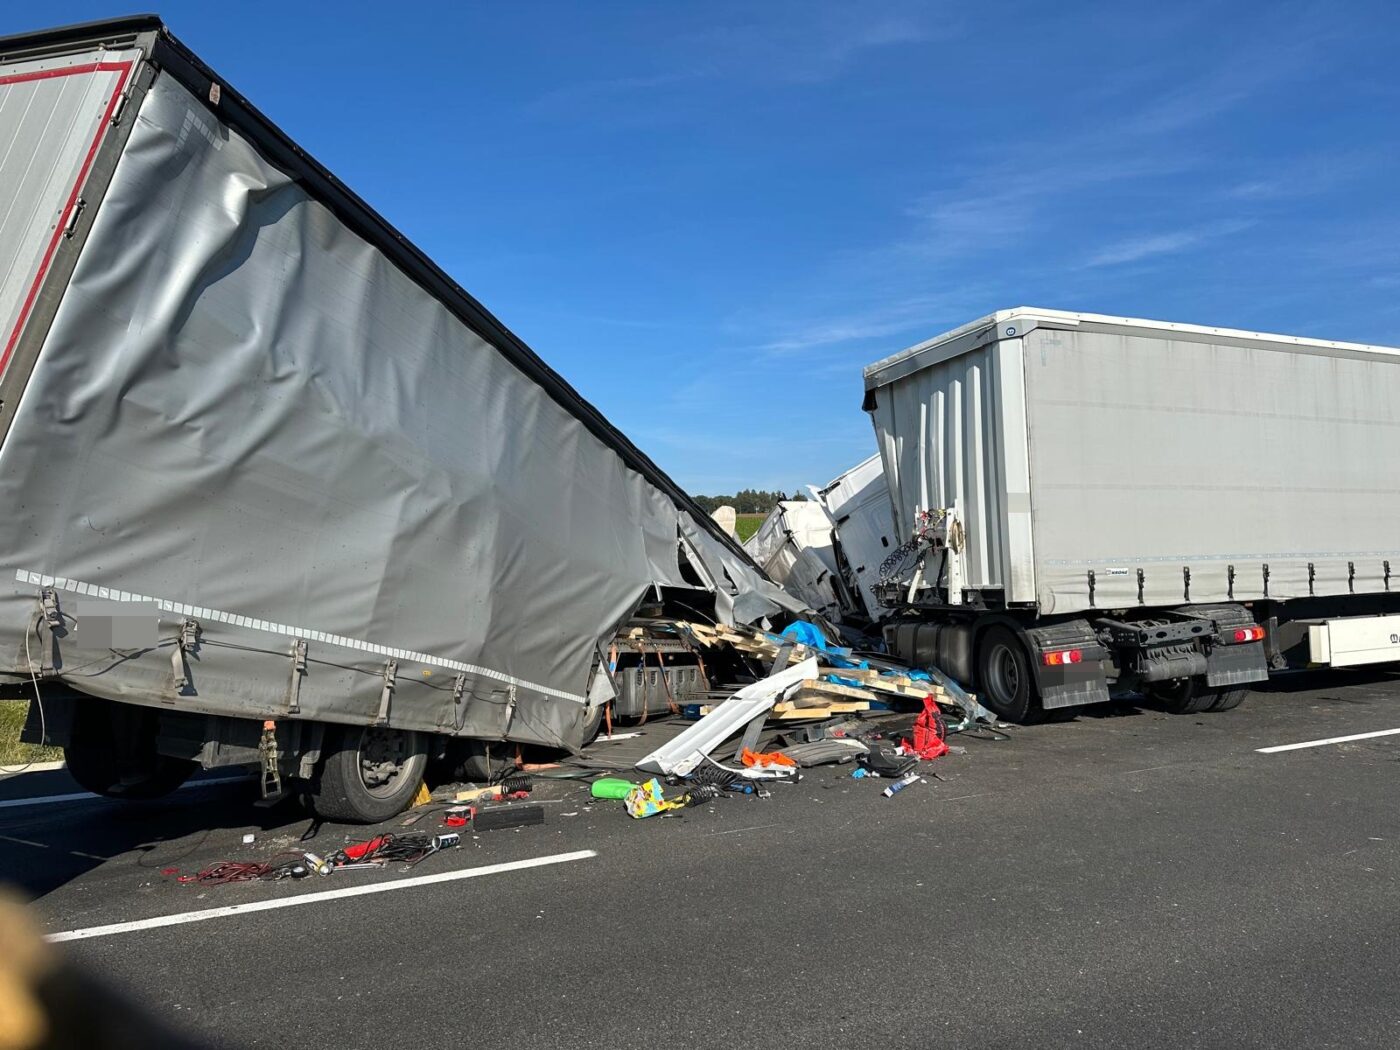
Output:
x=887 y=762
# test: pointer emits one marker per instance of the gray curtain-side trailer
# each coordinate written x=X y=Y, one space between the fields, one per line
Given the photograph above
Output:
x=1089 y=503
x=262 y=461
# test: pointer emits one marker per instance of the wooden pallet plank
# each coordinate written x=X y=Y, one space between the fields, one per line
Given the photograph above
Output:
x=821 y=687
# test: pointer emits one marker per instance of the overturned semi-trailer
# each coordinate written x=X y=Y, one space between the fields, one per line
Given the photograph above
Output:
x=262 y=461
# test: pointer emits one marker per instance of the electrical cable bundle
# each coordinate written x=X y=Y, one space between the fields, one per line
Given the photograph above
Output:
x=701 y=793
x=409 y=848
x=714 y=775
x=248 y=871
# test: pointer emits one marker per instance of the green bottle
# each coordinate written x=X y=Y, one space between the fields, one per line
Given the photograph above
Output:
x=612 y=787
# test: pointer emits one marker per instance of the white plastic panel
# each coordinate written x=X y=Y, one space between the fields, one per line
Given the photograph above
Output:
x=793 y=546
x=858 y=503
x=1353 y=641
x=53 y=114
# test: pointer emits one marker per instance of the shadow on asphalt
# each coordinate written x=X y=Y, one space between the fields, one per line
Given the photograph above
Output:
x=1326 y=678
x=44 y=848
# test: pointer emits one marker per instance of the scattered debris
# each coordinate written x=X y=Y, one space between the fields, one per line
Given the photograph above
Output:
x=496 y=818
x=768 y=760
x=826 y=752
x=611 y=787
x=647 y=800
x=901 y=784
x=686 y=751
x=794 y=702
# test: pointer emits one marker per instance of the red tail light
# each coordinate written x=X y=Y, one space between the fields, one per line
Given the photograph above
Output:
x=1249 y=634
x=1063 y=656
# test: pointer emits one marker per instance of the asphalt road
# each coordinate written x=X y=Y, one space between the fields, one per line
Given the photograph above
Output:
x=1125 y=879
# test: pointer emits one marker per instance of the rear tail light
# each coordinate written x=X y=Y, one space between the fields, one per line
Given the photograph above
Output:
x=1062 y=657
x=1249 y=634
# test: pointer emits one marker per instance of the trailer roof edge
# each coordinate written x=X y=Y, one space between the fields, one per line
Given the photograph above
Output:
x=1019 y=320
x=111 y=30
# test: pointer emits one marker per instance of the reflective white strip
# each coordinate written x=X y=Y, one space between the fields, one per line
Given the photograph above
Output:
x=91 y=590
x=1330 y=740
x=316 y=898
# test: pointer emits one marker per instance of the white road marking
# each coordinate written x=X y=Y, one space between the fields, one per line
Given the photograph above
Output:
x=88 y=796
x=1330 y=740
x=317 y=898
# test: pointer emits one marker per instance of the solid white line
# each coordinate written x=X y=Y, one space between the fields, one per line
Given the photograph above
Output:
x=316 y=898
x=87 y=796
x=1329 y=740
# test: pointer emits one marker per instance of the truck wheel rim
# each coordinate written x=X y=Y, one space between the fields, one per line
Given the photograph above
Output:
x=1005 y=676
x=383 y=756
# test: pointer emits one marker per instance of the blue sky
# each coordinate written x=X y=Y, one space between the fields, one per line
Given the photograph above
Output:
x=709 y=216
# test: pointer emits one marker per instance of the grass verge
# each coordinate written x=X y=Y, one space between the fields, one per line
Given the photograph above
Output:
x=745 y=525
x=12 y=752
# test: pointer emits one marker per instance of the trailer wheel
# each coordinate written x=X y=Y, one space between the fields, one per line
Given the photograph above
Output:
x=1006 y=678
x=1183 y=696
x=1228 y=699
x=368 y=774
x=593 y=724
x=112 y=752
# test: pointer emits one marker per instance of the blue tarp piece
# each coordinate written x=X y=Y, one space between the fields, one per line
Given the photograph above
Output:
x=810 y=635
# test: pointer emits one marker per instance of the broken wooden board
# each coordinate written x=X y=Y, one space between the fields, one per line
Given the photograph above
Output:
x=821 y=687
x=898 y=684
x=789 y=713
x=790 y=709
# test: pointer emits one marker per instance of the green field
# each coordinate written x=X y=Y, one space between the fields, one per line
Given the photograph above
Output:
x=747 y=524
x=12 y=752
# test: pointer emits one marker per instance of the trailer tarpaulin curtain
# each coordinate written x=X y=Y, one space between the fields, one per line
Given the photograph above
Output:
x=246 y=416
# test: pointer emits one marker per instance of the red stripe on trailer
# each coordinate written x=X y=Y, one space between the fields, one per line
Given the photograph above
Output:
x=66 y=71
x=124 y=68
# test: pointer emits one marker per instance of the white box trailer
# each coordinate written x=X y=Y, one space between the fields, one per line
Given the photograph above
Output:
x=1071 y=478
x=261 y=461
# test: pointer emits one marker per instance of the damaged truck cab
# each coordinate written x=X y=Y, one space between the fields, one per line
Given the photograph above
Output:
x=1091 y=506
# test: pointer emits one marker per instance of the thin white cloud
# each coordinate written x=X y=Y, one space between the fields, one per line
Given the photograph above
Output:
x=1136 y=249
x=795 y=43
x=809 y=48
x=915 y=313
x=1289 y=179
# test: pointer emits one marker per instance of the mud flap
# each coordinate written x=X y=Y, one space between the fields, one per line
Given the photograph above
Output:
x=1069 y=685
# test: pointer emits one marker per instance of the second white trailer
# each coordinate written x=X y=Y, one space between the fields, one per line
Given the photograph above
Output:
x=1079 y=478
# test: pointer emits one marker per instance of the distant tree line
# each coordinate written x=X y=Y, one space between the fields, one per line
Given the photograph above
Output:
x=746 y=501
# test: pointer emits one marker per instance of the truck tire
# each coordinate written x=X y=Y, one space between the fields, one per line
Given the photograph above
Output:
x=1006 y=678
x=1228 y=699
x=1183 y=696
x=111 y=751
x=484 y=761
x=592 y=724
x=367 y=774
